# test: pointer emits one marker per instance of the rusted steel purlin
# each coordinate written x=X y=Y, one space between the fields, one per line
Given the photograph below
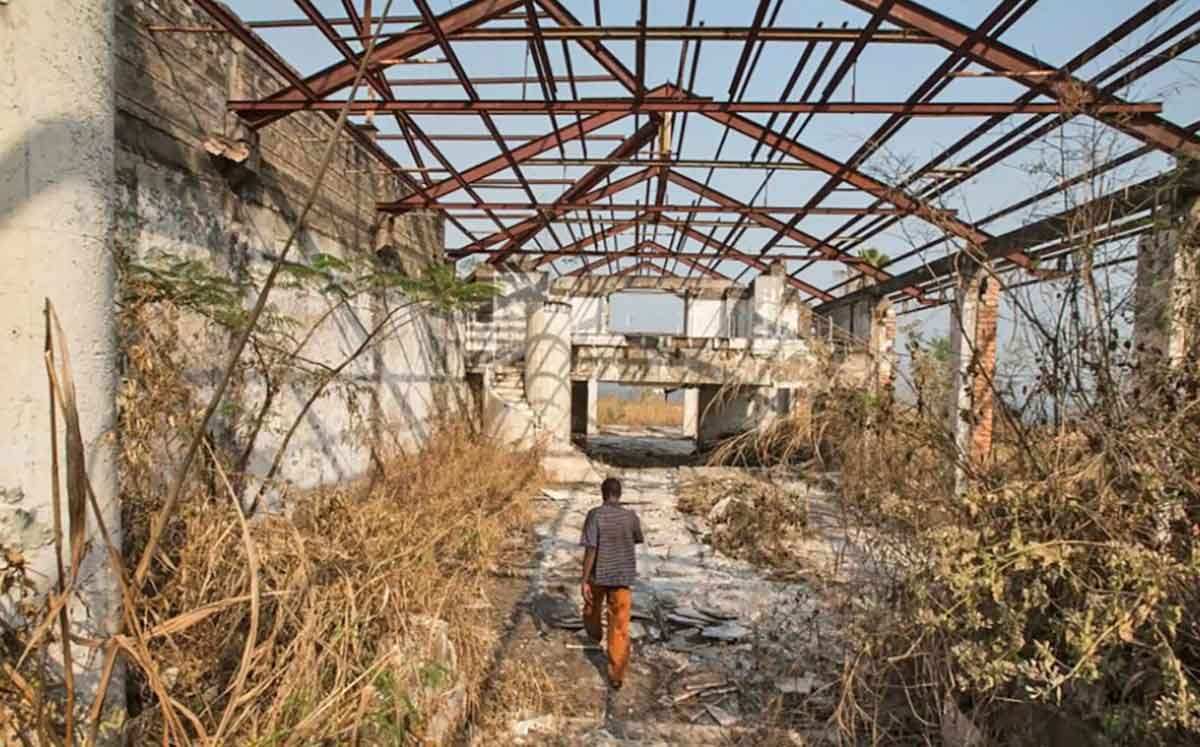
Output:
x=646 y=264
x=1016 y=139
x=1053 y=97
x=1006 y=13
x=698 y=105
x=1153 y=131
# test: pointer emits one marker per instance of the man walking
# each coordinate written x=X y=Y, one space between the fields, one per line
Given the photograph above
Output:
x=609 y=570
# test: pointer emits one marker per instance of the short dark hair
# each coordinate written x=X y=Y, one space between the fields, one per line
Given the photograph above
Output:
x=610 y=489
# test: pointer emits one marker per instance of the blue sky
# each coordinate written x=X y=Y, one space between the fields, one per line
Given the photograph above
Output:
x=1055 y=31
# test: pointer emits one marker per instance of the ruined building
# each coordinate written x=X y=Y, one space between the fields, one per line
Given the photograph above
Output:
x=140 y=132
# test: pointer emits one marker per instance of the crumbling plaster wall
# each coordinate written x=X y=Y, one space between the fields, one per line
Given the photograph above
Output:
x=175 y=199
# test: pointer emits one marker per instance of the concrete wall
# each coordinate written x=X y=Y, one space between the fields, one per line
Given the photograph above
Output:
x=548 y=370
x=722 y=415
x=177 y=200
x=501 y=338
x=1168 y=282
x=705 y=317
x=589 y=314
x=56 y=218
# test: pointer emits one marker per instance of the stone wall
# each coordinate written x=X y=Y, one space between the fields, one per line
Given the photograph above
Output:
x=175 y=199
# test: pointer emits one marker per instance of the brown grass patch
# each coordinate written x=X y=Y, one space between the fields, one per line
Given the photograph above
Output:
x=749 y=518
x=645 y=410
x=371 y=599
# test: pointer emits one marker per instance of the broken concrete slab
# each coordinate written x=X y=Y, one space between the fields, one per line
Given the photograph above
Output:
x=729 y=631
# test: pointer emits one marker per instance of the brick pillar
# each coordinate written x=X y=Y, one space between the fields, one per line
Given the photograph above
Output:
x=882 y=344
x=973 y=344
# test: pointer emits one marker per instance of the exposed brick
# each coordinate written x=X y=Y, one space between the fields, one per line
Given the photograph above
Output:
x=973 y=339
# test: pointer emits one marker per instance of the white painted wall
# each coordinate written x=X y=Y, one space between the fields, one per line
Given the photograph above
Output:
x=705 y=317
x=589 y=314
x=56 y=217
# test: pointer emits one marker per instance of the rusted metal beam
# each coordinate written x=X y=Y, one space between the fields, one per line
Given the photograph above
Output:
x=1014 y=140
x=646 y=264
x=1115 y=206
x=824 y=247
x=729 y=252
x=401 y=46
x=698 y=105
x=1002 y=17
x=658 y=250
x=760 y=14
x=591 y=197
x=289 y=23
x=459 y=138
x=1160 y=133
x=853 y=177
x=585 y=184
x=667 y=208
x=584 y=34
x=603 y=57
x=498 y=80
x=500 y=163
x=611 y=231
x=679 y=163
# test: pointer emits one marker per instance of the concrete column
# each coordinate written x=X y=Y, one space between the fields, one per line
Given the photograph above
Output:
x=973 y=345
x=691 y=412
x=768 y=302
x=548 y=369
x=57 y=182
x=1167 y=306
x=593 y=407
x=722 y=415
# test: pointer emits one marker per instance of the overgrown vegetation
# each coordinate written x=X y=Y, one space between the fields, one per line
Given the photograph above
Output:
x=350 y=614
x=749 y=518
x=368 y=601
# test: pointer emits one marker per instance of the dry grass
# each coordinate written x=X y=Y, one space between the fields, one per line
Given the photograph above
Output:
x=360 y=592
x=750 y=518
x=356 y=619
x=522 y=690
x=646 y=410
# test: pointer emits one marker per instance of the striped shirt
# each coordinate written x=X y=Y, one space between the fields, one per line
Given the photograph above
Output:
x=613 y=531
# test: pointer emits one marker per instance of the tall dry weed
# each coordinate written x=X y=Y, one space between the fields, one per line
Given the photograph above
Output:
x=371 y=598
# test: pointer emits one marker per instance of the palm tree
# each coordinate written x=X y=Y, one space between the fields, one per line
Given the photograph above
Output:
x=869 y=256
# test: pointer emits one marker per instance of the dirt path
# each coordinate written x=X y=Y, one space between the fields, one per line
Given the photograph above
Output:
x=719 y=648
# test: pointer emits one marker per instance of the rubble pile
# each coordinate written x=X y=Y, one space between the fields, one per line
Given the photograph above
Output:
x=748 y=517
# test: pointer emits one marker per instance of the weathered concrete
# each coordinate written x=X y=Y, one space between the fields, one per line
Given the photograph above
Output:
x=757 y=337
x=691 y=412
x=57 y=178
x=579 y=286
x=548 y=370
x=176 y=200
x=704 y=317
x=726 y=413
x=1167 y=295
x=973 y=346
x=666 y=361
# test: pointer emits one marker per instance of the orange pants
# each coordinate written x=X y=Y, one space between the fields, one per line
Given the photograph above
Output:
x=620 y=604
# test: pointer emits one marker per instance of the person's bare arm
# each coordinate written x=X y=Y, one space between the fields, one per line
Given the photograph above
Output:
x=585 y=586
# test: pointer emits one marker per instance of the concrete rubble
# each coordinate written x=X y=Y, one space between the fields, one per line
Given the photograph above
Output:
x=707 y=620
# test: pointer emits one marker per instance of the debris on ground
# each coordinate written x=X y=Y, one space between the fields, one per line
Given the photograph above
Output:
x=747 y=516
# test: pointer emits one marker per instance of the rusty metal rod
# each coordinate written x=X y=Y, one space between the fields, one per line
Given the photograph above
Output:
x=705 y=106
